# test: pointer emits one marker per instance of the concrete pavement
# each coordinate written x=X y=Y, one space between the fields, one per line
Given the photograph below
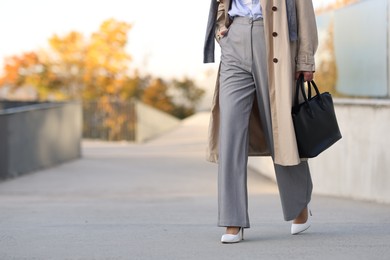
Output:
x=159 y=201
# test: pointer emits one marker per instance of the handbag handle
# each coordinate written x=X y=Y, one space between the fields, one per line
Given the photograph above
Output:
x=315 y=88
x=300 y=86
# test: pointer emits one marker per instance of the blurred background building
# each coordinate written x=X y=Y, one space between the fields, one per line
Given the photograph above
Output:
x=353 y=51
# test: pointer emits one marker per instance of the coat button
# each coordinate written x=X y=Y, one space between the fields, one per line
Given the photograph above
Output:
x=275 y=60
x=274 y=8
x=274 y=34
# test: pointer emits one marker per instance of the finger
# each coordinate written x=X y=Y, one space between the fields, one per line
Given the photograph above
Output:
x=308 y=76
x=297 y=74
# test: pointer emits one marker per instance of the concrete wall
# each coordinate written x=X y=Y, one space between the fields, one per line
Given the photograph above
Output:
x=38 y=136
x=151 y=122
x=358 y=166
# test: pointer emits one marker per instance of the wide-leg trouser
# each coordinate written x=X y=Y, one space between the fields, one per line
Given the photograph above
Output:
x=243 y=77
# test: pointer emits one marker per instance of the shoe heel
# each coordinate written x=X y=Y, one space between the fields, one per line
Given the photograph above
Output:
x=242 y=233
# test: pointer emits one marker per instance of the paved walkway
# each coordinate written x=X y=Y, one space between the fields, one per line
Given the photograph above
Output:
x=158 y=201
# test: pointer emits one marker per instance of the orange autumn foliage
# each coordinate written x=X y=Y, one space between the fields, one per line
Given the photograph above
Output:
x=97 y=70
x=156 y=95
x=17 y=69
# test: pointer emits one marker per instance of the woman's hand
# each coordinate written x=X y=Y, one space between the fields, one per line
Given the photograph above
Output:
x=307 y=75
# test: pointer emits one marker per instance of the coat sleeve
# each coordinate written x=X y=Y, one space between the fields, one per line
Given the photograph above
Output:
x=307 y=36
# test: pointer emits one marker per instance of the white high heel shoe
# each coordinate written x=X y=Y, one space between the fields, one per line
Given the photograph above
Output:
x=230 y=238
x=299 y=228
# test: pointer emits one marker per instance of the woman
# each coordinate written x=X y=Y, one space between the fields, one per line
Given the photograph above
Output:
x=265 y=45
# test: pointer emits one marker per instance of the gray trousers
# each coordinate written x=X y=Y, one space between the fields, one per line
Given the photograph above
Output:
x=243 y=77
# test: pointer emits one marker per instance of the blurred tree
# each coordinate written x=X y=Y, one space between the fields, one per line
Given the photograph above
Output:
x=77 y=67
x=65 y=64
x=188 y=96
x=30 y=69
x=178 y=97
x=156 y=95
x=106 y=77
x=106 y=61
x=133 y=87
x=17 y=69
x=95 y=69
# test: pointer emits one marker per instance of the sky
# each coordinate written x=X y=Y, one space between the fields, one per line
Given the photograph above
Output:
x=166 y=39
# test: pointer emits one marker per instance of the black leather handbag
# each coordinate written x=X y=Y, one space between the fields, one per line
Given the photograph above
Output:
x=315 y=122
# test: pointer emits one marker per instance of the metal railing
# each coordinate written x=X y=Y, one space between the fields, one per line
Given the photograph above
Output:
x=111 y=121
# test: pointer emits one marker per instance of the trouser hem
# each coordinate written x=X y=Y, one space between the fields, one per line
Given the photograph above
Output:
x=233 y=225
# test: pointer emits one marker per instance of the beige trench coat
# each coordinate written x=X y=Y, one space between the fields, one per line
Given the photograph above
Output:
x=284 y=59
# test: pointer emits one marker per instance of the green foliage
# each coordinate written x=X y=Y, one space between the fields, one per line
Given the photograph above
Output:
x=187 y=98
x=156 y=95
